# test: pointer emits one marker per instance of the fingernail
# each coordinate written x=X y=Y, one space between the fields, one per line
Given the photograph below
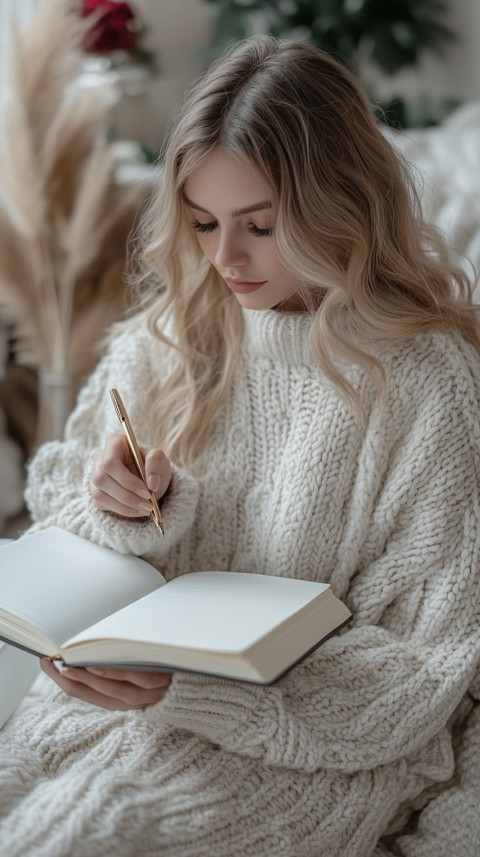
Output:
x=145 y=507
x=142 y=492
x=153 y=482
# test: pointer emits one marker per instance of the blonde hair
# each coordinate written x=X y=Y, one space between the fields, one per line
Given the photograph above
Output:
x=347 y=224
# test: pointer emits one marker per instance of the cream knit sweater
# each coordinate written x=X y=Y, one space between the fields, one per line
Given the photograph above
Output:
x=335 y=754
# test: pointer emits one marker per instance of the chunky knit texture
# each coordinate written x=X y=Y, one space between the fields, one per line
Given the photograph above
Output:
x=339 y=751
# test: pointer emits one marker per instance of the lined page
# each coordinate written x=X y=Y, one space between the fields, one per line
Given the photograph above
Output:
x=61 y=583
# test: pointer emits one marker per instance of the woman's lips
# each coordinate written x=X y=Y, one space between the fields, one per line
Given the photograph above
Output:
x=243 y=287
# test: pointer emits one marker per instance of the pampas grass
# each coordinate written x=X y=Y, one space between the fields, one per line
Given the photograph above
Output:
x=64 y=219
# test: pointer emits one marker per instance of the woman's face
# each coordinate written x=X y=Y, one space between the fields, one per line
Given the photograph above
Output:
x=231 y=212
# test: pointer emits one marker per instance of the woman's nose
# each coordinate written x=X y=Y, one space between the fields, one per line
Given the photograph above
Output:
x=230 y=252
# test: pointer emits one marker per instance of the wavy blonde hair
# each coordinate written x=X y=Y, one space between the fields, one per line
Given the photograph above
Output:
x=347 y=225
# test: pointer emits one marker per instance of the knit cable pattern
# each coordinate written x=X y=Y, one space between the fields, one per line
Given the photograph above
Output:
x=324 y=761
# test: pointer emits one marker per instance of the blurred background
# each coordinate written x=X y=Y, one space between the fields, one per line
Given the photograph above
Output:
x=417 y=57
x=87 y=88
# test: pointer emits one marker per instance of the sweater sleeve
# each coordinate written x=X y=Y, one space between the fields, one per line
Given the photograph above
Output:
x=57 y=490
x=385 y=688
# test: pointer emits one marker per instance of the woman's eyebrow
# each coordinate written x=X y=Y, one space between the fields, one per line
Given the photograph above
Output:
x=256 y=206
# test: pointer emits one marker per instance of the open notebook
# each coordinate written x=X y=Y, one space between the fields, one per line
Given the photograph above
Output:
x=64 y=597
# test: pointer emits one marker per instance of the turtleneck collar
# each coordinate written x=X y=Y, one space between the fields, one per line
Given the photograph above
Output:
x=278 y=336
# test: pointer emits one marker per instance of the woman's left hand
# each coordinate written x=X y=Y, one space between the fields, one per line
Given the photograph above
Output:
x=115 y=690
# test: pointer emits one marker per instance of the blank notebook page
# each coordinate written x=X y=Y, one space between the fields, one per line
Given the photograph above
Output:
x=210 y=610
x=71 y=582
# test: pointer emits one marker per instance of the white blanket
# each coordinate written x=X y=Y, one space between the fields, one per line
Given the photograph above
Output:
x=447 y=166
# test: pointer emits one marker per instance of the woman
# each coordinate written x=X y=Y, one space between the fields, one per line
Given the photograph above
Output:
x=306 y=386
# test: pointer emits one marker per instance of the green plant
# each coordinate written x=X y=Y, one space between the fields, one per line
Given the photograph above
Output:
x=390 y=34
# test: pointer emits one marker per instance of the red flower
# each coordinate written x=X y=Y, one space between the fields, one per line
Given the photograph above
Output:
x=115 y=26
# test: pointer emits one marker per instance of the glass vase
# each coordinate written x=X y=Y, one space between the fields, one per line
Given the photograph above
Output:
x=55 y=401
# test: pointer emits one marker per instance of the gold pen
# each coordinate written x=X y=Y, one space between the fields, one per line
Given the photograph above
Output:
x=136 y=455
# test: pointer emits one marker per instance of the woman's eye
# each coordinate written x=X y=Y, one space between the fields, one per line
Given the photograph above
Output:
x=204 y=227
x=209 y=227
x=259 y=233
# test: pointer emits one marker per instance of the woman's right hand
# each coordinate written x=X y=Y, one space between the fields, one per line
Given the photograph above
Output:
x=115 y=485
